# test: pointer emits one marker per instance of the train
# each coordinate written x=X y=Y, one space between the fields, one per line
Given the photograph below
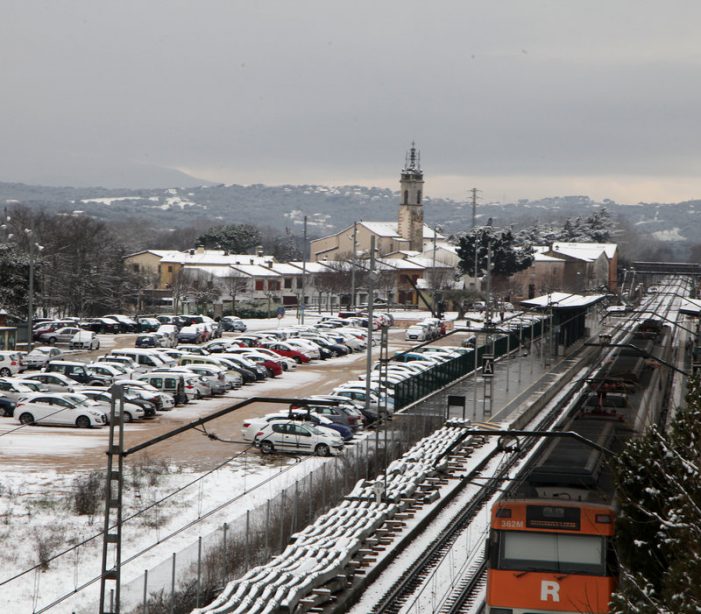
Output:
x=551 y=545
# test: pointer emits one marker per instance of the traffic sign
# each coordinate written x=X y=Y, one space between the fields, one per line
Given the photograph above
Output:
x=487 y=366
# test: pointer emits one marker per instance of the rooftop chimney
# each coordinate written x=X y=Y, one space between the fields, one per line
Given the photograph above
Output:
x=259 y=250
x=199 y=249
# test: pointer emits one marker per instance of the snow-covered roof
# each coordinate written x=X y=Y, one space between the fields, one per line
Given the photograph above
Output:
x=312 y=267
x=216 y=257
x=403 y=265
x=609 y=248
x=255 y=270
x=428 y=262
x=538 y=257
x=391 y=230
x=161 y=253
x=284 y=268
x=563 y=300
x=214 y=271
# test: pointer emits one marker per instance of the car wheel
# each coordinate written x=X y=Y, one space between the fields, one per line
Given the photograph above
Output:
x=26 y=418
x=127 y=417
x=322 y=450
x=298 y=360
x=5 y=372
x=52 y=340
x=97 y=346
x=96 y=383
x=266 y=447
x=83 y=422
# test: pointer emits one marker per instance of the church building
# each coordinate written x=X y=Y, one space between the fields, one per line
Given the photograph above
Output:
x=408 y=233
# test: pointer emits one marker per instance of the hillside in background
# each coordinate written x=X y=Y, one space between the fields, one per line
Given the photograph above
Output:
x=676 y=226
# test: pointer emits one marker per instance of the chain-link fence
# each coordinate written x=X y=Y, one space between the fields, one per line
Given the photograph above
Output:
x=194 y=575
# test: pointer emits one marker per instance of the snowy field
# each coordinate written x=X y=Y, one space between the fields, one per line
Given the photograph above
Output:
x=38 y=518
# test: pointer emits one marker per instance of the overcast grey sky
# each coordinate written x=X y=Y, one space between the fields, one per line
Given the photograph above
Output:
x=519 y=98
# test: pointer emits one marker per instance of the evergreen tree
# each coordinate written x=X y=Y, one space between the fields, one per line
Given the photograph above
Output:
x=659 y=527
x=507 y=256
x=234 y=238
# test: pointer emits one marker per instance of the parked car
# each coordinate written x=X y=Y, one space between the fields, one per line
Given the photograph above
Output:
x=162 y=400
x=14 y=388
x=291 y=436
x=148 y=340
x=132 y=411
x=55 y=382
x=39 y=356
x=173 y=384
x=100 y=325
x=7 y=406
x=60 y=335
x=251 y=426
x=10 y=363
x=77 y=371
x=145 y=358
x=233 y=324
x=111 y=372
x=170 y=332
x=84 y=340
x=55 y=409
x=190 y=334
x=147 y=325
x=126 y=324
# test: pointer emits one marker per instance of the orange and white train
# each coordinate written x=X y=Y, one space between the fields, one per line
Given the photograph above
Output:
x=551 y=546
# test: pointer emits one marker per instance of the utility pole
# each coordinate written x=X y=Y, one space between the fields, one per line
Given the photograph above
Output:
x=474 y=233
x=371 y=301
x=355 y=248
x=304 y=273
x=112 y=528
x=433 y=271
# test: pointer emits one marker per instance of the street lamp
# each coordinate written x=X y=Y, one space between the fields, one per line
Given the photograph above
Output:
x=30 y=294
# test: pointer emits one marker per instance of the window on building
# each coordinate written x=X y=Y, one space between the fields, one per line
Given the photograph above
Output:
x=273 y=284
x=406 y=197
x=299 y=283
x=259 y=284
x=135 y=268
x=288 y=282
x=418 y=197
x=170 y=268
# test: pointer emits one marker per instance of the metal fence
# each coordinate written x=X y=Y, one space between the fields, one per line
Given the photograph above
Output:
x=497 y=344
x=196 y=574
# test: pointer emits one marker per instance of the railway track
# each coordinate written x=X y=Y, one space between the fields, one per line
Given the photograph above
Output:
x=467 y=594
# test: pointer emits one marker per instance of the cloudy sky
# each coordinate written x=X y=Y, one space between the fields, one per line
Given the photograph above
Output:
x=518 y=98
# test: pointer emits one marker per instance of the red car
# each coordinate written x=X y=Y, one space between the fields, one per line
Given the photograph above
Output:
x=286 y=350
x=274 y=368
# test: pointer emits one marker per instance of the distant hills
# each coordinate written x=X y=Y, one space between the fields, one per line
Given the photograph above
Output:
x=329 y=209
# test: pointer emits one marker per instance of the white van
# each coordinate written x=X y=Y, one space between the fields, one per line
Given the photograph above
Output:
x=145 y=359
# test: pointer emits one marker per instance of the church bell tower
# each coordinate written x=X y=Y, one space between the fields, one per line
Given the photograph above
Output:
x=411 y=211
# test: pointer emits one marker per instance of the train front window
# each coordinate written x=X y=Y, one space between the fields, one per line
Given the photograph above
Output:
x=555 y=552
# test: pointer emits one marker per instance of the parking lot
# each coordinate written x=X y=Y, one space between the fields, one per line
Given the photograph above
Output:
x=67 y=448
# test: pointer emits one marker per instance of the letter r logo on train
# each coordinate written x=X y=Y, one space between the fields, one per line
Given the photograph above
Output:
x=549 y=590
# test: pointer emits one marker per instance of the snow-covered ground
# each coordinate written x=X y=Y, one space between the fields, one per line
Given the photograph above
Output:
x=38 y=520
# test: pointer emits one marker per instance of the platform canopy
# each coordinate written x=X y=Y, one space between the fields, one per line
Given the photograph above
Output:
x=563 y=300
x=691 y=307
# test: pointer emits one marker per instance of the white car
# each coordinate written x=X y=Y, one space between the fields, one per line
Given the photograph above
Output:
x=291 y=436
x=415 y=333
x=55 y=382
x=55 y=409
x=104 y=398
x=84 y=340
x=39 y=356
x=10 y=363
